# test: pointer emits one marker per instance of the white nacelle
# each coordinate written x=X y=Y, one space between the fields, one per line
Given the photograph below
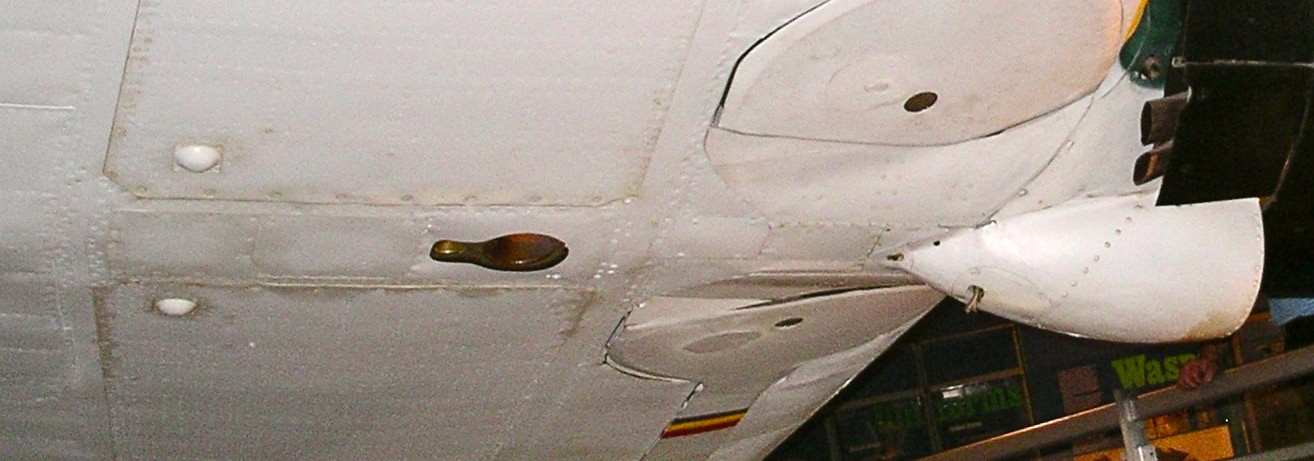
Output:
x=1113 y=268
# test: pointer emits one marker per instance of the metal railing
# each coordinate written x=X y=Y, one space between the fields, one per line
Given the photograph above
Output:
x=1106 y=417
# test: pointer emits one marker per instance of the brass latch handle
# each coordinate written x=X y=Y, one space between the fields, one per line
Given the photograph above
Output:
x=514 y=252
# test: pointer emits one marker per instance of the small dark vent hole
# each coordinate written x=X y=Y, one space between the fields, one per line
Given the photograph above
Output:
x=920 y=101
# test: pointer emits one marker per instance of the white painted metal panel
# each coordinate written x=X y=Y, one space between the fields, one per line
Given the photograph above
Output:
x=28 y=294
x=302 y=246
x=789 y=357
x=714 y=238
x=33 y=143
x=34 y=139
x=598 y=242
x=26 y=237
x=843 y=71
x=795 y=398
x=50 y=405
x=279 y=372
x=1099 y=156
x=822 y=241
x=797 y=180
x=599 y=414
x=734 y=345
x=183 y=245
x=61 y=67
x=400 y=102
x=42 y=53
x=241 y=243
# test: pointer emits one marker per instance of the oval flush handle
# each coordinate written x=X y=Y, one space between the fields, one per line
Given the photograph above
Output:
x=513 y=252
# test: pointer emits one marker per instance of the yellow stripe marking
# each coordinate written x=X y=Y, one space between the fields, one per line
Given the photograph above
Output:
x=1136 y=20
x=705 y=422
x=709 y=423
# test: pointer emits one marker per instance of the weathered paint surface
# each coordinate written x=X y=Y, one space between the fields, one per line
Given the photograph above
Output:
x=352 y=135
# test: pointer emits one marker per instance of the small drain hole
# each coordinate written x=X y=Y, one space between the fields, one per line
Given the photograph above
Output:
x=920 y=101
x=789 y=322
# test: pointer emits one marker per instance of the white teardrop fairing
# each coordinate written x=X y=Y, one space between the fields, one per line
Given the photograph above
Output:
x=1113 y=268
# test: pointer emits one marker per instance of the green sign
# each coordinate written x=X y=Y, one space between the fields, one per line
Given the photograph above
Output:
x=1139 y=371
x=905 y=414
x=991 y=400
